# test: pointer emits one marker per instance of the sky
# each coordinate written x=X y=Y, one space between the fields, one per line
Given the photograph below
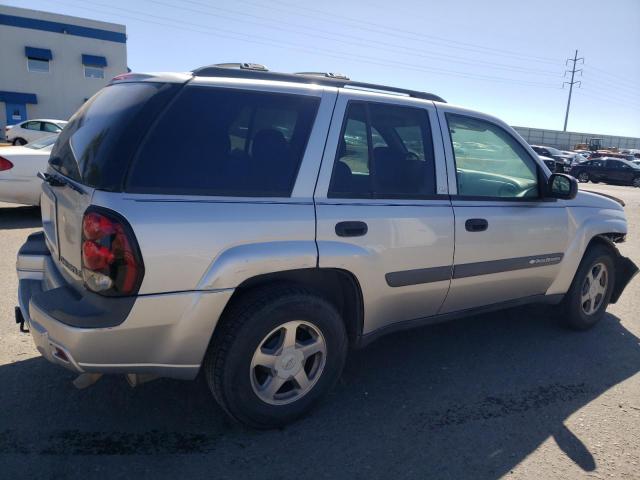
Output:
x=506 y=58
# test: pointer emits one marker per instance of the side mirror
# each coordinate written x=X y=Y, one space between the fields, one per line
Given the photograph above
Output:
x=562 y=186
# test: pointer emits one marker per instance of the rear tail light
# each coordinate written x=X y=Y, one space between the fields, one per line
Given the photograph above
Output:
x=111 y=261
x=5 y=164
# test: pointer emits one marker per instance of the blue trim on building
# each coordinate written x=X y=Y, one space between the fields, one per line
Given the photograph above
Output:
x=93 y=60
x=38 y=53
x=57 y=27
x=17 y=97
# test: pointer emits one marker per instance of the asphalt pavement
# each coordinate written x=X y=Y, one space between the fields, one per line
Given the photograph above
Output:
x=509 y=394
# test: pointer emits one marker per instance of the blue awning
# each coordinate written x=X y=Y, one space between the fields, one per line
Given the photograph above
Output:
x=93 y=60
x=17 y=97
x=38 y=53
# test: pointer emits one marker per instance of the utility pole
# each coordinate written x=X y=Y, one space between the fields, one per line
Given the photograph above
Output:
x=573 y=71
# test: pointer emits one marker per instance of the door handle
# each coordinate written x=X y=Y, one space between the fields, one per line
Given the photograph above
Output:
x=351 y=229
x=476 y=225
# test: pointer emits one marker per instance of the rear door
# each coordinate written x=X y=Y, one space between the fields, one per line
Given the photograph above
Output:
x=619 y=171
x=382 y=207
x=509 y=240
x=31 y=131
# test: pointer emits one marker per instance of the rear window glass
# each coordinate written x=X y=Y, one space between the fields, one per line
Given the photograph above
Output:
x=100 y=139
x=214 y=141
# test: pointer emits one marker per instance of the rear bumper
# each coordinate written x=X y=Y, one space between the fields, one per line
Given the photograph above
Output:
x=163 y=334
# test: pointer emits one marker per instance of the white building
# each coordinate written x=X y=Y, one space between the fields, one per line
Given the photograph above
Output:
x=50 y=64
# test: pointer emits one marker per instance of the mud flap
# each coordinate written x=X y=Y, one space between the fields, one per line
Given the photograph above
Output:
x=625 y=271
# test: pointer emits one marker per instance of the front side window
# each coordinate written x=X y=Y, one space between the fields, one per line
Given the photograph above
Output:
x=51 y=127
x=384 y=151
x=229 y=143
x=489 y=161
x=37 y=65
x=93 y=72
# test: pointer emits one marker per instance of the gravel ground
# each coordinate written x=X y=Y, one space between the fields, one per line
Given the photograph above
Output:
x=509 y=394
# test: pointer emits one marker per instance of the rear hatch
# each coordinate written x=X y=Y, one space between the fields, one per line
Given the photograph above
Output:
x=94 y=152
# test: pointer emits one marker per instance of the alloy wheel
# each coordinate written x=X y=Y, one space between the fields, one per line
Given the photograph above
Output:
x=594 y=288
x=288 y=362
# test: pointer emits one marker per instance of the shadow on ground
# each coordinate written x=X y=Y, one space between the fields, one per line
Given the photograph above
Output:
x=468 y=399
x=19 y=217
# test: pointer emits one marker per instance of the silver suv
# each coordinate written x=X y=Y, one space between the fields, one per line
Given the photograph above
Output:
x=254 y=225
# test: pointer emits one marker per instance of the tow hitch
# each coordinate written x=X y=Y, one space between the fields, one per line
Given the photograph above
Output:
x=20 y=320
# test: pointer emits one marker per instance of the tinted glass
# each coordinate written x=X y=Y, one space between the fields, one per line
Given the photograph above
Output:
x=35 y=65
x=613 y=164
x=213 y=141
x=31 y=125
x=385 y=151
x=97 y=144
x=489 y=161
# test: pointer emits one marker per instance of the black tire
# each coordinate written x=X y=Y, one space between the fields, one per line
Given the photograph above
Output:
x=19 y=141
x=244 y=325
x=572 y=313
x=636 y=182
x=584 y=177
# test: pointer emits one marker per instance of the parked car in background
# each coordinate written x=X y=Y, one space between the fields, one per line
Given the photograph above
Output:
x=322 y=214
x=19 y=167
x=556 y=166
x=554 y=153
x=608 y=170
x=30 y=130
x=605 y=153
x=584 y=153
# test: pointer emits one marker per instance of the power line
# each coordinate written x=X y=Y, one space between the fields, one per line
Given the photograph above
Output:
x=359 y=41
x=225 y=33
x=573 y=71
x=379 y=28
x=618 y=78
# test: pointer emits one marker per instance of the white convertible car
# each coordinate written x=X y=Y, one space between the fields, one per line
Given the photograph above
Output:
x=19 y=167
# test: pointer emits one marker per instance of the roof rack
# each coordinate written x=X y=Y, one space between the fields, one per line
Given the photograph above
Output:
x=260 y=72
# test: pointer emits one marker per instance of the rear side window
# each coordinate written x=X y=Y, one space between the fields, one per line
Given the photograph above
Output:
x=385 y=151
x=99 y=141
x=214 y=141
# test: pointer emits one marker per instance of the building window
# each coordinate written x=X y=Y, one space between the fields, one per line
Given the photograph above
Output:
x=93 y=72
x=37 y=65
x=38 y=59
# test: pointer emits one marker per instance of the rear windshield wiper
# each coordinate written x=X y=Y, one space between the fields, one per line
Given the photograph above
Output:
x=59 y=181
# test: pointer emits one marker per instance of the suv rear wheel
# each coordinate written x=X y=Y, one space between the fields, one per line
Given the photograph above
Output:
x=589 y=295
x=278 y=351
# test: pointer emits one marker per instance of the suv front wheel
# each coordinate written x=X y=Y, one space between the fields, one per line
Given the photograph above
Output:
x=586 y=301
x=278 y=351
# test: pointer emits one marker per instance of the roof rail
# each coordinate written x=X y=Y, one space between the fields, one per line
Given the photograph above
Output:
x=339 y=76
x=260 y=72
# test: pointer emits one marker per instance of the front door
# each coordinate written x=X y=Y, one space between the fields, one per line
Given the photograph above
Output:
x=509 y=240
x=382 y=208
x=619 y=172
x=16 y=113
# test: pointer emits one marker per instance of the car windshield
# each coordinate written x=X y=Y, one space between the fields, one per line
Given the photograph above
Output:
x=43 y=142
